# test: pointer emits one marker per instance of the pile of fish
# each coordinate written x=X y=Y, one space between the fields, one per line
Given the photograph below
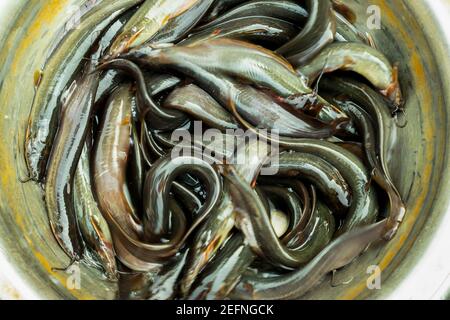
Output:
x=298 y=75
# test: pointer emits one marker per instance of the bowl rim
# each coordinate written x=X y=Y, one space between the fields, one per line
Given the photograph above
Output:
x=427 y=269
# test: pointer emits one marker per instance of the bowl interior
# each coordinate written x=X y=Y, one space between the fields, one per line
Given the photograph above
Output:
x=416 y=160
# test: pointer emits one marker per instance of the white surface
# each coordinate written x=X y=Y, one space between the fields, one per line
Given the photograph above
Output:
x=6 y=7
x=11 y=284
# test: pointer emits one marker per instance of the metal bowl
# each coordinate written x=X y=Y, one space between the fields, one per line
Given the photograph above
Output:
x=415 y=264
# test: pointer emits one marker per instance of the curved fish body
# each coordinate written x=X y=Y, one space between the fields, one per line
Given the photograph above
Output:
x=75 y=121
x=223 y=273
x=327 y=179
x=194 y=101
x=250 y=158
x=109 y=81
x=262 y=110
x=364 y=124
x=267 y=31
x=112 y=147
x=209 y=238
x=136 y=167
x=111 y=152
x=293 y=285
x=219 y=7
x=182 y=24
x=347 y=32
x=385 y=131
x=300 y=214
x=236 y=59
x=285 y=10
x=359 y=58
x=203 y=149
x=86 y=10
x=61 y=66
x=215 y=145
x=151 y=17
x=228 y=57
x=145 y=257
x=159 y=118
x=259 y=107
x=300 y=227
x=165 y=285
x=318 y=32
x=158 y=183
x=158 y=83
x=254 y=222
x=356 y=148
x=294 y=208
x=364 y=206
x=141 y=163
x=93 y=226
